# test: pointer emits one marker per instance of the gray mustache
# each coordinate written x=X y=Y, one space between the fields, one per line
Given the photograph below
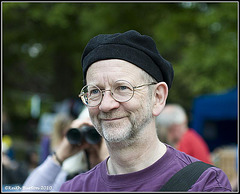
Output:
x=111 y=115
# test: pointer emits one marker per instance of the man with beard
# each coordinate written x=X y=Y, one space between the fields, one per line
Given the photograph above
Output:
x=127 y=83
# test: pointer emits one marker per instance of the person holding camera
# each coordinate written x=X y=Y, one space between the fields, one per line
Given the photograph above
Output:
x=127 y=83
x=73 y=155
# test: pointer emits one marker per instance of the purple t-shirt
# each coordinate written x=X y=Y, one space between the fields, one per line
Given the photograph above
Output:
x=151 y=178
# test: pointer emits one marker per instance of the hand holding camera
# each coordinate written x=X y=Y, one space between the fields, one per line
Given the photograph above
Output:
x=81 y=136
x=86 y=133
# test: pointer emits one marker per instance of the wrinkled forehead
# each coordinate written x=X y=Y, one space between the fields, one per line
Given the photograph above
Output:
x=111 y=70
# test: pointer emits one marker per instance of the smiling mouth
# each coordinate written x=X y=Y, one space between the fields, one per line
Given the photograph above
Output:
x=113 y=119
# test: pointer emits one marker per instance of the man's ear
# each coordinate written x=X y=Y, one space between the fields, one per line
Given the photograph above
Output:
x=160 y=97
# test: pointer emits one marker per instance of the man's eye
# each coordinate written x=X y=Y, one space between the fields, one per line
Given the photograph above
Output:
x=123 y=87
x=94 y=92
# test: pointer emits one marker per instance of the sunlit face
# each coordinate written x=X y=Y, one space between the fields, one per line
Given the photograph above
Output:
x=119 y=121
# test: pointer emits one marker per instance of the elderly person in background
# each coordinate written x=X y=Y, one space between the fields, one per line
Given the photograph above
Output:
x=173 y=120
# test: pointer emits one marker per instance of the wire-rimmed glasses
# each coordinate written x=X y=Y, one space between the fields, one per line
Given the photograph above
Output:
x=121 y=91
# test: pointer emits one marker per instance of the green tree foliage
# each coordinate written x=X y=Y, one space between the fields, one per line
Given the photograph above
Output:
x=43 y=43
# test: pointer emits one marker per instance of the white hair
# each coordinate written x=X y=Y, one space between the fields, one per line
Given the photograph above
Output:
x=171 y=114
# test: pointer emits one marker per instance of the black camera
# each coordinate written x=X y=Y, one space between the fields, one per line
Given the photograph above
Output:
x=86 y=132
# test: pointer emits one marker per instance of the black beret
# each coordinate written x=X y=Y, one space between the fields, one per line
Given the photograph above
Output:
x=130 y=46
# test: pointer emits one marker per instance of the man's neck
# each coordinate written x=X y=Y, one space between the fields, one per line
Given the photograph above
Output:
x=135 y=157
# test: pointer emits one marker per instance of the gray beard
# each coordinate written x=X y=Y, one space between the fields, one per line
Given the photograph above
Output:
x=126 y=132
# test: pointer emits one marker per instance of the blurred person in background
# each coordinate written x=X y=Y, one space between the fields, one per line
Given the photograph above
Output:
x=45 y=128
x=61 y=124
x=32 y=159
x=13 y=172
x=67 y=160
x=172 y=125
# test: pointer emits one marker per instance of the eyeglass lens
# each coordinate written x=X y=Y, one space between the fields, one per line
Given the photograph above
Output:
x=121 y=91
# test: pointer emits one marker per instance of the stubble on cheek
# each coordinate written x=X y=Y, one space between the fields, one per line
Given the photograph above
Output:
x=124 y=129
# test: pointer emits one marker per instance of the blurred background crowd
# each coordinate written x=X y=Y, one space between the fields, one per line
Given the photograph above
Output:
x=41 y=71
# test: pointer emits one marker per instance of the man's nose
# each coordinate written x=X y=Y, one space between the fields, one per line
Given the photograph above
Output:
x=108 y=102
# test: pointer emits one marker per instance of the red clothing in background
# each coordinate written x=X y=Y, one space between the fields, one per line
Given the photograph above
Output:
x=194 y=145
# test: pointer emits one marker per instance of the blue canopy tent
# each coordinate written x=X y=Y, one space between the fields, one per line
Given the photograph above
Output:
x=214 y=117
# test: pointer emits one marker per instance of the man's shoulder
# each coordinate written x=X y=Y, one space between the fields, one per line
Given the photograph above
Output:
x=213 y=179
